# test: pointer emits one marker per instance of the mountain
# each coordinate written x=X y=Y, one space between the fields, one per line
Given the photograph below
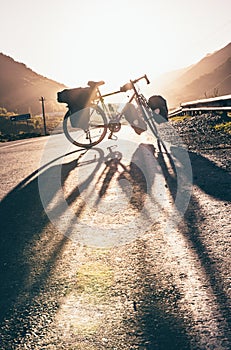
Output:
x=209 y=77
x=21 y=88
x=216 y=82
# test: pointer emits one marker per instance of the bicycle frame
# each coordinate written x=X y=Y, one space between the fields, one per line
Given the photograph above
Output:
x=114 y=124
x=140 y=100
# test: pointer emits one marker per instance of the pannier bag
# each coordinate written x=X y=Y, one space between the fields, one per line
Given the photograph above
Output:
x=80 y=119
x=131 y=114
x=159 y=107
x=77 y=98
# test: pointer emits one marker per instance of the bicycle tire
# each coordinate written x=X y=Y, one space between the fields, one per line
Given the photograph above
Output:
x=85 y=128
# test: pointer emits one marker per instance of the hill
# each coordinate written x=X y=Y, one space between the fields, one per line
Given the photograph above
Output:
x=209 y=77
x=21 y=88
x=216 y=83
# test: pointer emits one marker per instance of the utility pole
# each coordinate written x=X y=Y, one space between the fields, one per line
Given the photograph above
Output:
x=44 y=116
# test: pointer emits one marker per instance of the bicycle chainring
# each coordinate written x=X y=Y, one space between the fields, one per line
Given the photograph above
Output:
x=114 y=127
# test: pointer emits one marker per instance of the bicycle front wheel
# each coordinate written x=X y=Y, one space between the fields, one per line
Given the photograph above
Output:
x=85 y=128
x=148 y=117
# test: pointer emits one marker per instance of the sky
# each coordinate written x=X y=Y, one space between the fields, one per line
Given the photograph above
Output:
x=73 y=41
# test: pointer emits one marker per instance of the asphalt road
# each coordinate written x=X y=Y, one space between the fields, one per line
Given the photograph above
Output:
x=124 y=246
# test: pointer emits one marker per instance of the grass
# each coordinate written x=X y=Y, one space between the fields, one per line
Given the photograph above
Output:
x=224 y=127
x=180 y=118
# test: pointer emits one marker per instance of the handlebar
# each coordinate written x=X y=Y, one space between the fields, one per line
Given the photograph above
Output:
x=143 y=77
x=129 y=86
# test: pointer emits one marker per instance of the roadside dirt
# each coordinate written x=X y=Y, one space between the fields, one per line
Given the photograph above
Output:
x=168 y=288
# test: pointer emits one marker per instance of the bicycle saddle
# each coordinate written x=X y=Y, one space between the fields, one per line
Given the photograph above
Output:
x=94 y=84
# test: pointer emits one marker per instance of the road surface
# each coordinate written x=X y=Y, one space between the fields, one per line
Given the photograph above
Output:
x=124 y=246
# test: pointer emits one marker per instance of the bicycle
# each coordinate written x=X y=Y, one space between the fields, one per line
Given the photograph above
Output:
x=88 y=127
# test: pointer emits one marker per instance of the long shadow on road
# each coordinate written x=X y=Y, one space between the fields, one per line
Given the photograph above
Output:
x=214 y=182
x=29 y=250
x=157 y=322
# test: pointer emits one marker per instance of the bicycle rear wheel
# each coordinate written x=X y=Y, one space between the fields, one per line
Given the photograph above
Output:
x=85 y=128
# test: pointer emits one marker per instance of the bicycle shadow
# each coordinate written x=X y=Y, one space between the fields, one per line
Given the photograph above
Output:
x=127 y=176
x=137 y=179
x=30 y=248
x=140 y=174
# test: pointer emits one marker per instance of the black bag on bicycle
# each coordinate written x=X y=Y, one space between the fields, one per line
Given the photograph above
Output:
x=159 y=106
x=131 y=114
x=78 y=100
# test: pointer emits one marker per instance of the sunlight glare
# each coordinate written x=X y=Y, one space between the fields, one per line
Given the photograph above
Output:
x=114 y=47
